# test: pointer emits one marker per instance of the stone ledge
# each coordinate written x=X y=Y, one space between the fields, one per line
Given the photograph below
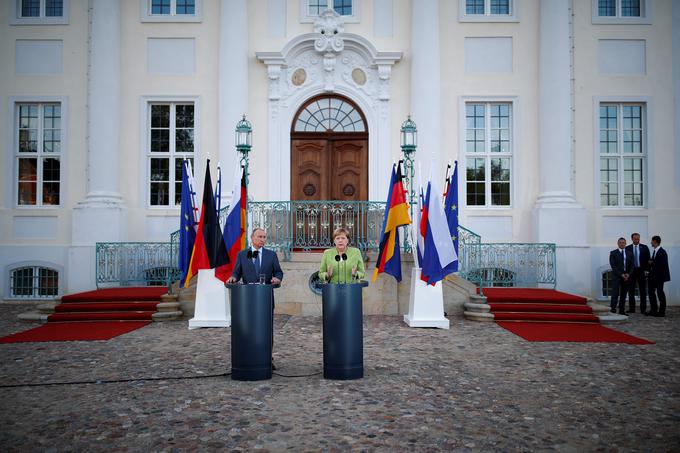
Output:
x=167 y=306
x=166 y=316
x=612 y=318
x=46 y=308
x=33 y=316
x=477 y=299
x=477 y=307
x=597 y=308
x=478 y=316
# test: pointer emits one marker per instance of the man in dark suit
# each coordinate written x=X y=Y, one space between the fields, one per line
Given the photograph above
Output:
x=638 y=276
x=658 y=275
x=257 y=261
x=258 y=264
x=621 y=262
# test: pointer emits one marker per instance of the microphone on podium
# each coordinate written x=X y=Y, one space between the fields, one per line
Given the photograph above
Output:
x=337 y=259
x=344 y=260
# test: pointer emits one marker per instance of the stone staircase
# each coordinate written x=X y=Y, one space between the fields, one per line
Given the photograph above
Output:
x=165 y=307
x=534 y=304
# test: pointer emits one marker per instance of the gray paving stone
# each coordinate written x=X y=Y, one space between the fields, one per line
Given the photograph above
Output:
x=475 y=387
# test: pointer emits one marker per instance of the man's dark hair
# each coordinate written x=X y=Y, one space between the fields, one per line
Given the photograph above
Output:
x=656 y=239
x=620 y=239
x=634 y=234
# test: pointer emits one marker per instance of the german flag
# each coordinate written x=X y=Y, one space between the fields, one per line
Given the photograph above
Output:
x=396 y=215
x=209 y=250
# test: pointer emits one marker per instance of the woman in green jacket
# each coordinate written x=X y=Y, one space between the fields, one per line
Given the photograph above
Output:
x=341 y=264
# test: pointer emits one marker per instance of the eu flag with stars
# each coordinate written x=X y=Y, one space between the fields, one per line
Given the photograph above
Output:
x=187 y=222
x=451 y=211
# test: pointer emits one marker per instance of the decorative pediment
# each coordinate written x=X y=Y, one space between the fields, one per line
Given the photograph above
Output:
x=328 y=59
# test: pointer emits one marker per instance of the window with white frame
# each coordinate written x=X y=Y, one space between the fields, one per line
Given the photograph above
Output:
x=488 y=151
x=170 y=10
x=622 y=155
x=33 y=282
x=38 y=154
x=170 y=140
x=618 y=8
x=311 y=9
x=488 y=7
x=621 y=11
x=41 y=8
x=32 y=12
x=172 y=7
x=342 y=7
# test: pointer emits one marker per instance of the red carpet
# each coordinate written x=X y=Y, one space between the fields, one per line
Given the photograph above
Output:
x=74 y=331
x=560 y=317
x=531 y=295
x=537 y=314
x=96 y=315
x=537 y=304
x=109 y=304
x=555 y=331
x=128 y=293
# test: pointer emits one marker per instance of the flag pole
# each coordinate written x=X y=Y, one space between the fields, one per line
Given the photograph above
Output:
x=192 y=192
x=416 y=225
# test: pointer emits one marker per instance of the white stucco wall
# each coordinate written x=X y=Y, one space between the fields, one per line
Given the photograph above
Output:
x=268 y=30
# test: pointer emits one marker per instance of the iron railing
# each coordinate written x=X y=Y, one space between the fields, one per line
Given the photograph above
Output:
x=308 y=225
x=136 y=263
x=510 y=264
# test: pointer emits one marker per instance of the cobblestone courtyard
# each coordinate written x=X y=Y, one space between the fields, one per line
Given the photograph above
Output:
x=475 y=387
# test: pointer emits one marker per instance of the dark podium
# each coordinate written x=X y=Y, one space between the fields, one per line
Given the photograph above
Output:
x=343 y=336
x=251 y=331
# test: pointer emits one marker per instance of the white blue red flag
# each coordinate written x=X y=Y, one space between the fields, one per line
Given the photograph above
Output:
x=438 y=252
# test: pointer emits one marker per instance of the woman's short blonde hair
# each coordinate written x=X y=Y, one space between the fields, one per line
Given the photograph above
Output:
x=339 y=231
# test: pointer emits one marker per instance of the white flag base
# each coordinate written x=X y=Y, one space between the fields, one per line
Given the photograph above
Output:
x=212 y=307
x=426 y=304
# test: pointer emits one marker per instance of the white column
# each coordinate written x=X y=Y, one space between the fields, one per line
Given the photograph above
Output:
x=554 y=103
x=558 y=217
x=425 y=83
x=675 y=34
x=100 y=216
x=233 y=82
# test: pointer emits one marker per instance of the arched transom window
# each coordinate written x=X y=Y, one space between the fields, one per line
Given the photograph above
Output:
x=330 y=114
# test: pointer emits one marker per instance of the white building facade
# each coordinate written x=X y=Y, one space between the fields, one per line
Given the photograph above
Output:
x=563 y=116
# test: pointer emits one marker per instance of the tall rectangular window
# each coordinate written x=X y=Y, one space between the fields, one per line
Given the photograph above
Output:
x=171 y=139
x=38 y=154
x=622 y=155
x=488 y=149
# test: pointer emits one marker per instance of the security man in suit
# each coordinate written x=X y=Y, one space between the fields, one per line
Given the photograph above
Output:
x=256 y=264
x=658 y=275
x=638 y=276
x=621 y=262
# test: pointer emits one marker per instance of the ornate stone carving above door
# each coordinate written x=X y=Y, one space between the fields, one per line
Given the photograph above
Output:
x=328 y=58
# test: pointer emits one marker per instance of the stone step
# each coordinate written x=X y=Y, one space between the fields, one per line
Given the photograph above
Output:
x=162 y=316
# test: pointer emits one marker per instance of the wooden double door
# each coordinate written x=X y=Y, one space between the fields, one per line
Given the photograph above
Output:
x=329 y=166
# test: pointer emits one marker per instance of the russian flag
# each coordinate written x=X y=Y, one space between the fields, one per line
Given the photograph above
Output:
x=235 y=225
x=438 y=251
